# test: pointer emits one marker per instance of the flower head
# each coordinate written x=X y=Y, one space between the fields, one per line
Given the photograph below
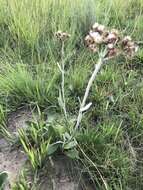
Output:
x=126 y=39
x=99 y=36
x=89 y=40
x=129 y=47
x=98 y=28
x=62 y=35
x=112 y=53
x=95 y=26
x=112 y=37
x=93 y=48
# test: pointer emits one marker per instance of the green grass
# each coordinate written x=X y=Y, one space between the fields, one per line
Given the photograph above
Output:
x=112 y=130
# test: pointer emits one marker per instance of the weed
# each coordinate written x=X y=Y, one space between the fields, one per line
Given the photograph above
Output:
x=109 y=142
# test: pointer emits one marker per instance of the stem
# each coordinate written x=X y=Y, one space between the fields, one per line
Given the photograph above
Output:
x=90 y=82
x=93 y=164
x=63 y=80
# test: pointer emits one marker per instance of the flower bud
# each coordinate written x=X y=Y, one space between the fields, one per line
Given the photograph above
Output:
x=62 y=35
x=125 y=40
x=95 y=26
x=93 y=48
x=98 y=28
x=112 y=53
x=110 y=46
x=89 y=40
x=111 y=38
x=114 y=31
x=96 y=37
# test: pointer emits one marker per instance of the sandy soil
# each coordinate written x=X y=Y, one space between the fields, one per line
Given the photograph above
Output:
x=56 y=175
x=12 y=160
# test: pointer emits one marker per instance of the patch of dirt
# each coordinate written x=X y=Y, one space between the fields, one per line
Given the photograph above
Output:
x=18 y=119
x=58 y=174
x=12 y=160
x=62 y=175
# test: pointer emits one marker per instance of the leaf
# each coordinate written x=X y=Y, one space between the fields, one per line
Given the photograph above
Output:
x=73 y=153
x=52 y=148
x=86 y=107
x=67 y=135
x=51 y=118
x=3 y=178
x=60 y=129
x=70 y=145
x=60 y=100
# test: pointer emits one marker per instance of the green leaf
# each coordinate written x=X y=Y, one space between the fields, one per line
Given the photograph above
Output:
x=60 y=100
x=52 y=148
x=70 y=145
x=3 y=178
x=73 y=153
x=60 y=129
x=67 y=135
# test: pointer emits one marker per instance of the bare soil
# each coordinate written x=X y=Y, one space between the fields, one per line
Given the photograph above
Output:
x=56 y=175
x=12 y=160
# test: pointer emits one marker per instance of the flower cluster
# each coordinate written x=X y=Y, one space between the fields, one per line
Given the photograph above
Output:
x=129 y=46
x=99 y=36
x=62 y=36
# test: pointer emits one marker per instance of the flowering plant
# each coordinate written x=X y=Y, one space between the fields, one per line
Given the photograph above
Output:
x=108 y=44
x=115 y=44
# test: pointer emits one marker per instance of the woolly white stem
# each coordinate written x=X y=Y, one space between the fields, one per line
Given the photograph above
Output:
x=63 y=81
x=90 y=82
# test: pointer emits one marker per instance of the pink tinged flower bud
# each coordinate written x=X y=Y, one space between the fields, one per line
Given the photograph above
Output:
x=125 y=40
x=114 y=31
x=65 y=35
x=95 y=26
x=58 y=34
x=89 y=40
x=93 y=48
x=131 y=50
x=111 y=38
x=101 y=28
x=130 y=44
x=112 y=53
x=106 y=33
x=62 y=35
x=96 y=37
x=110 y=46
x=98 y=28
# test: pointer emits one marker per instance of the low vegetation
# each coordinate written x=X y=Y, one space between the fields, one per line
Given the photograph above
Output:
x=46 y=60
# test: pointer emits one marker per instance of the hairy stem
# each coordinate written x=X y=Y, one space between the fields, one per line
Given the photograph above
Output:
x=63 y=80
x=90 y=82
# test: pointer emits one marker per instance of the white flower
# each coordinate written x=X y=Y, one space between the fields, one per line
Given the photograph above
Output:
x=93 y=48
x=96 y=37
x=95 y=26
x=127 y=38
x=111 y=38
x=89 y=40
x=62 y=35
x=115 y=31
x=110 y=46
x=101 y=28
x=98 y=28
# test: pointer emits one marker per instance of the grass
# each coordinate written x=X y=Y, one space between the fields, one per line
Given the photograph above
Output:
x=112 y=130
